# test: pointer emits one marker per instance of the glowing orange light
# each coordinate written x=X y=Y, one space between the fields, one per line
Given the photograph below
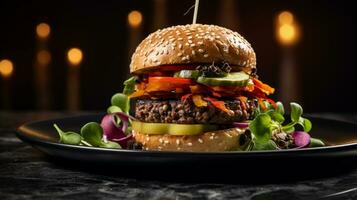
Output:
x=6 y=68
x=43 y=57
x=43 y=30
x=286 y=17
x=74 y=56
x=287 y=30
x=135 y=18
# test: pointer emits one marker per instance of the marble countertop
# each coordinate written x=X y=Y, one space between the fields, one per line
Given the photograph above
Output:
x=25 y=173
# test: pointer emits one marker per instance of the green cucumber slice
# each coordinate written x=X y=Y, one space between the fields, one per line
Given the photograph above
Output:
x=172 y=129
x=232 y=79
x=193 y=74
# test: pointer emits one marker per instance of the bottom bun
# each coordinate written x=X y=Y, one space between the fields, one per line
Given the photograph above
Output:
x=233 y=139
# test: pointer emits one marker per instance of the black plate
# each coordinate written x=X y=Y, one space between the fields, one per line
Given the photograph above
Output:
x=341 y=137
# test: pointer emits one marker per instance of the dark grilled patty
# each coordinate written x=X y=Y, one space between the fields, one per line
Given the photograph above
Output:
x=176 y=111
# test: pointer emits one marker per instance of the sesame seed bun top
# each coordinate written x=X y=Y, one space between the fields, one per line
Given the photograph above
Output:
x=192 y=44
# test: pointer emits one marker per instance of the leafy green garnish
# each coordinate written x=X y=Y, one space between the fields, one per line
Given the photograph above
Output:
x=91 y=135
x=316 y=143
x=114 y=109
x=271 y=120
x=69 y=137
x=270 y=145
x=121 y=101
x=295 y=116
x=92 y=132
x=129 y=85
x=261 y=128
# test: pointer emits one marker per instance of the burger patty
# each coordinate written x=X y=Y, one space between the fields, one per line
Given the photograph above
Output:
x=177 y=111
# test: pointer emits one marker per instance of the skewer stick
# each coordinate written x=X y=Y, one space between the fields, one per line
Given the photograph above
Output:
x=195 y=12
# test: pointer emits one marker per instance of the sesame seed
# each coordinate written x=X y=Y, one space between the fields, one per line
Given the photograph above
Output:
x=161 y=140
x=206 y=55
x=147 y=138
x=189 y=37
x=166 y=142
x=192 y=45
x=189 y=41
x=189 y=144
x=200 y=140
x=229 y=135
x=211 y=137
x=193 y=52
x=180 y=46
x=200 y=42
x=180 y=39
x=177 y=141
x=147 y=148
x=200 y=50
x=187 y=44
x=172 y=39
x=179 y=54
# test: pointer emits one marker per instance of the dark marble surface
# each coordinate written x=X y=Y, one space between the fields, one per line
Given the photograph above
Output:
x=26 y=173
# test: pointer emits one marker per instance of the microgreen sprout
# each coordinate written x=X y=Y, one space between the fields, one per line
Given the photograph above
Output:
x=271 y=121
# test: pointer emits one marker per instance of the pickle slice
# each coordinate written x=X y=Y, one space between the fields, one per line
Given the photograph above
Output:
x=232 y=79
x=192 y=74
x=172 y=129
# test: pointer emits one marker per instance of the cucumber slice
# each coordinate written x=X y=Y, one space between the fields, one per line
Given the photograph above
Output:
x=232 y=79
x=193 y=74
x=172 y=129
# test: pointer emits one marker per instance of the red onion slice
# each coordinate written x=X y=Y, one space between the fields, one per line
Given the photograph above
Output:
x=241 y=125
x=301 y=139
x=115 y=132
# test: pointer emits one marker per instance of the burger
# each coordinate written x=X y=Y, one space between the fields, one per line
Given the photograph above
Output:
x=193 y=84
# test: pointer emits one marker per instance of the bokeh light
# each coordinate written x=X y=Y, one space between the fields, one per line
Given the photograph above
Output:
x=286 y=17
x=287 y=30
x=43 y=57
x=43 y=30
x=135 y=18
x=6 y=68
x=287 y=33
x=74 y=56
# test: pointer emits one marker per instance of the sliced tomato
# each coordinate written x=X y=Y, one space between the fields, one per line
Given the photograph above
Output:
x=170 y=80
x=163 y=83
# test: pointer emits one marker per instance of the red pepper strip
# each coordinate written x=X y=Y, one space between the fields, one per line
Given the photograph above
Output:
x=262 y=105
x=272 y=102
x=243 y=101
x=198 y=101
x=263 y=87
x=220 y=105
x=185 y=97
x=216 y=94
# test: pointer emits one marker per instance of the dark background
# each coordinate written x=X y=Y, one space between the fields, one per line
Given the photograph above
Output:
x=325 y=53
